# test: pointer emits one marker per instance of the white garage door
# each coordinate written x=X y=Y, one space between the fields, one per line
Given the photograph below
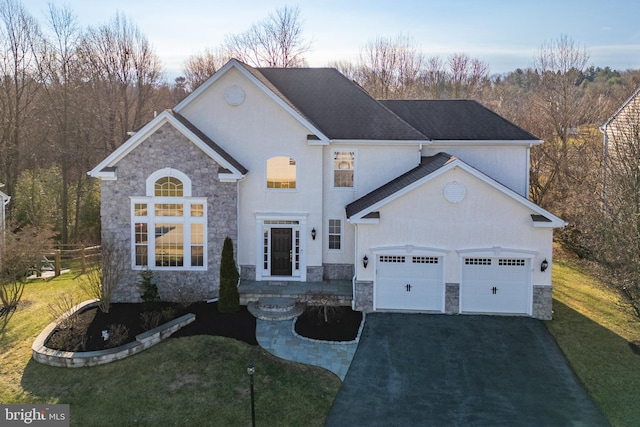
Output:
x=495 y=285
x=409 y=282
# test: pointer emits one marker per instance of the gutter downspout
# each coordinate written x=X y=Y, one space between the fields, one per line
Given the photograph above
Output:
x=355 y=269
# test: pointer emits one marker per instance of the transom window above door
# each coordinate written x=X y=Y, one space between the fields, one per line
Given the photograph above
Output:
x=281 y=173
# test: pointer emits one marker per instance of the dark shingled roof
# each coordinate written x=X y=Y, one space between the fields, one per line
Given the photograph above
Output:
x=210 y=143
x=539 y=218
x=334 y=104
x=456 y=120
x=427 y=166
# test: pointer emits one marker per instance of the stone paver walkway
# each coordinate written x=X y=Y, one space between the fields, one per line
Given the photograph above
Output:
x=277 y=337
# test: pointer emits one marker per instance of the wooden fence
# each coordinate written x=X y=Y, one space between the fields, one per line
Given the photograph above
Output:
x=78 y=257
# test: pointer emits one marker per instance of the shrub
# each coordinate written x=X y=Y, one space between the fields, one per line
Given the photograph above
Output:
x=229 y=299
x=150 y=319
x=118 y=334
x=148 y=289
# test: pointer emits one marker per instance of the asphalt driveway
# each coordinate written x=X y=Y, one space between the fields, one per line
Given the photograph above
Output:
x=438 y=370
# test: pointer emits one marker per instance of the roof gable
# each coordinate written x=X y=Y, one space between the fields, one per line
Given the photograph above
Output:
x=636 y=93
x=429 y=168
x=338 y=106
x=234 y=170
x=457 y=120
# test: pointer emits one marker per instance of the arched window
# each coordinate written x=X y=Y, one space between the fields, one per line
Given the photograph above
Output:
x=281 y=173
x=168 y=226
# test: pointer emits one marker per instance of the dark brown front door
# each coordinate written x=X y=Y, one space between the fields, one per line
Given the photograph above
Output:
x=281 y=251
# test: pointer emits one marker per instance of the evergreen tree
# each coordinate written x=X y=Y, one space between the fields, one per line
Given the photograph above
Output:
x=229 y=300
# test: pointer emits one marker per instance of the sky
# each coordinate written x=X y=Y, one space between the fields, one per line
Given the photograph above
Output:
x=506 y=34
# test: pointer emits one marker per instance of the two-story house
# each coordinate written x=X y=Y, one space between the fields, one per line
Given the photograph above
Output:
x=422 y=205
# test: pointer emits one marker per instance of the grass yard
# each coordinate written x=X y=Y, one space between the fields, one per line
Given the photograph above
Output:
x=198 y=380
x=594 y=325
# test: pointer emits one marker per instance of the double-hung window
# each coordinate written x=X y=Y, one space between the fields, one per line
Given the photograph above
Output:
x=344 y=169
x=168 y=224
x=335 y=235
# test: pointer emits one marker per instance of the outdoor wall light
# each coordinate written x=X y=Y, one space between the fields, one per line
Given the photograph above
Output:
x=365 y=261
x=544 y=265
x=313 y=233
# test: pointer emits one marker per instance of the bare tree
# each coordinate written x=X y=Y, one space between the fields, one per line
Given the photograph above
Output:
x=19 y=37
x=390 y=68
x=276 y=41
x=434 y=78
x=59 y=67
x=198 y=68
x=561 y=103
x=21 y=251
x=123 y=71
x=104 y=277
x=466 y=75
x=620 y=245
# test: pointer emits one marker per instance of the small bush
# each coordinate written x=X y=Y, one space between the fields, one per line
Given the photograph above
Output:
x=68 y=340
x=148 y=288
x=168 y=313
x=150 y=319
x=118 y=335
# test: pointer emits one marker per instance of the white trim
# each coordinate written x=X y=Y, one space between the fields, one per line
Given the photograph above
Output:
x=497 y=252
x=168 y=172
x=457 y=163
x=151 y=127
x=301 y=226
x=484 y=143
x=234 y=63
x=409 y=250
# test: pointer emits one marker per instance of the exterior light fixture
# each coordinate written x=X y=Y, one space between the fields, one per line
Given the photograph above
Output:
x=544 y=265
x=251 y=370
x=313 y=233
x=365 y=261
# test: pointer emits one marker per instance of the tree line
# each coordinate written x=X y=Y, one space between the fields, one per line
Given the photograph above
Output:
x=69 y=96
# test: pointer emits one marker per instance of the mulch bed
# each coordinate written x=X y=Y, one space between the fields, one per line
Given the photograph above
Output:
x=343 y=325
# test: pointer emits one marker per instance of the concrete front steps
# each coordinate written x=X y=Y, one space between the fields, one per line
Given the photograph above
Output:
x=276 y=308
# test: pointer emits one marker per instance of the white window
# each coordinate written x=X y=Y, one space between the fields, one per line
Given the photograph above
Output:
x=335 y=234
x=344 y=169
x=168 y=225
x=281 y=173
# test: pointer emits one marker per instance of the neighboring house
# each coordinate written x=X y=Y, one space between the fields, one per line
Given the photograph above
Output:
x=423 y=205
x=621 y=135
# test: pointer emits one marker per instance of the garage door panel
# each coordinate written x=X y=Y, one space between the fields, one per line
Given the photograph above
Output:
x=409 y=282
x=495 y=285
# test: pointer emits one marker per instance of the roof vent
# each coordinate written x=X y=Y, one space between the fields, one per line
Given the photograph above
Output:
x=454 y=192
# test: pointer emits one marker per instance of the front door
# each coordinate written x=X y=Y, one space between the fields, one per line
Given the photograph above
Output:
x=281 y=254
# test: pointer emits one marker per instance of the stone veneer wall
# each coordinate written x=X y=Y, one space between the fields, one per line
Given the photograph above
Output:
x=363 y=296
x=452 y=298
x=169 y=148
x=338 y=271
x=542 y=302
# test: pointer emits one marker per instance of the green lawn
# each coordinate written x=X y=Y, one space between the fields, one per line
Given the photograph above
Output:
x=593 y=325
x=202 y=380
x=186 y=381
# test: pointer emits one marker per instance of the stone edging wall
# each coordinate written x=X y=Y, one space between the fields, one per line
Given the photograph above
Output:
x=70 y=359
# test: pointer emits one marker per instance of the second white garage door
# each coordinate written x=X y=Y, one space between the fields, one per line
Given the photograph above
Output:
x=409 y=282
x=495 y=285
